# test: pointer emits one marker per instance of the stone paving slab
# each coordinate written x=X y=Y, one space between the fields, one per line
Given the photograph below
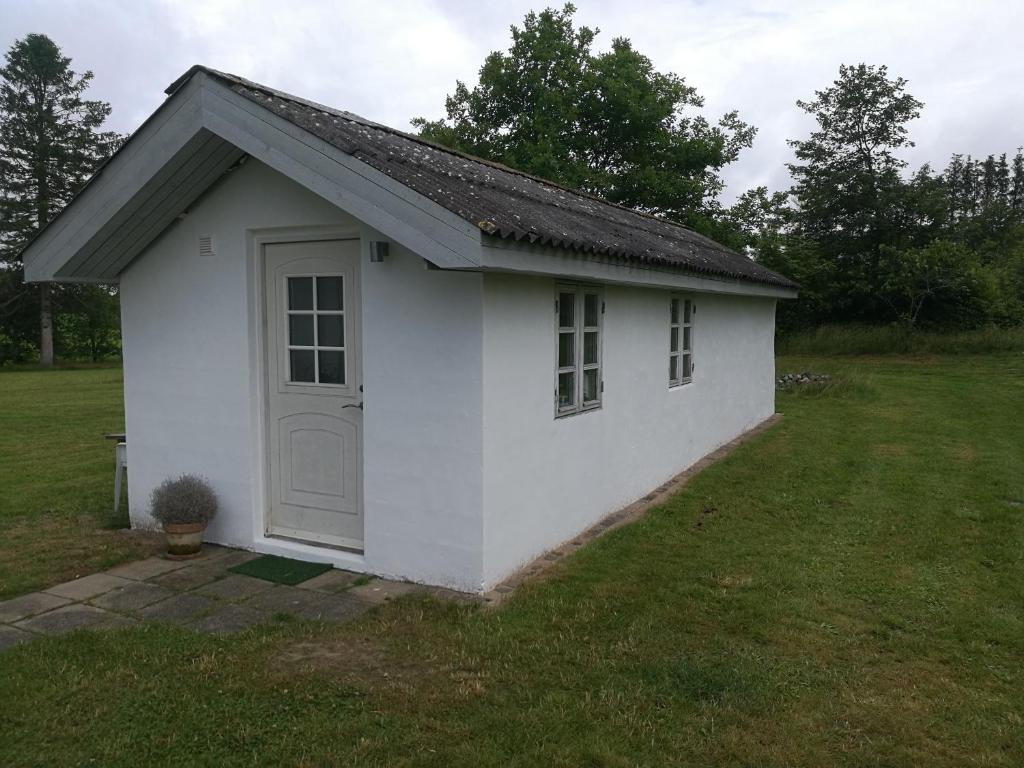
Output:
x=68 y=618
x=179 y=609
x=29 y=605
x=285 y=599
x=235 y=586
x=132 y=597
x=11 y=636
x=380 y=591
x=230 y=619
x=141 y=570
x=331 y=581
x=334 y=608
x=87 y=586
x=190 y=577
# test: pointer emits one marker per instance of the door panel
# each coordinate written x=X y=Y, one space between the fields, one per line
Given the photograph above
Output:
x=314 y=422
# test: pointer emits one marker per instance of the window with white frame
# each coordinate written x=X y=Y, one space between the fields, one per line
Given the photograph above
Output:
x=680 y=350
x=578 y=383
x=316 y=329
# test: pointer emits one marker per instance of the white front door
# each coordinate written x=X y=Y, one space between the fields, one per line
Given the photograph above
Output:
x=314 y=392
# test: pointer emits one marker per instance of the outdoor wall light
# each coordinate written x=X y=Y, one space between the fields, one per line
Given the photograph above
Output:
x=378 y=250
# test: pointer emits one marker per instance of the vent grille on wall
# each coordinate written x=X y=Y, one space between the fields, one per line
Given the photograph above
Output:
x=206 y=246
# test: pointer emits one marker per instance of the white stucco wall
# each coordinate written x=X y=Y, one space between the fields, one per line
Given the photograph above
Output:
x=193 y=383
x=545 y=479
x=466 y=473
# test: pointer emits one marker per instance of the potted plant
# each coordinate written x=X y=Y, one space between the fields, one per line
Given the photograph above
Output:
x=184 y=505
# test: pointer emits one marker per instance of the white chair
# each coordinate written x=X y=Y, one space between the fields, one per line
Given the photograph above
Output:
x=120 y=465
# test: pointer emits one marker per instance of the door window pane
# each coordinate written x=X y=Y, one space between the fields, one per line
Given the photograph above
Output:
x=566 y=350
x=300 y=330
x=687 y=367
x=674 y=343
x=329 y=293
x=300 y=293
x=566 y=310
x=302 y=368
x=331 y=330
x=566 y=390
x=590 y=385
x=590 y=310
x=686 y=339
x=687 y=310
x=590 y=348
x=675 y=311
x=332 y=367
x=673 y=368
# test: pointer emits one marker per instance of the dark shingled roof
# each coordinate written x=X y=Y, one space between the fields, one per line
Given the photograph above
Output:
x=502 y=202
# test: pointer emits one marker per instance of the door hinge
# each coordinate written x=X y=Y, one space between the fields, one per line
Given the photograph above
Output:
x=602 y=307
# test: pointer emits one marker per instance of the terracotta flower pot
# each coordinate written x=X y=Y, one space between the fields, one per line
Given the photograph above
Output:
x=184 y=540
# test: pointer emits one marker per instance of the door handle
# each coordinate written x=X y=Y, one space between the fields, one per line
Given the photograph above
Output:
x=353 y=405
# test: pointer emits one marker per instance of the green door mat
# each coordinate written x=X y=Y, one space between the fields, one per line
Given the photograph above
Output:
x=281 y=570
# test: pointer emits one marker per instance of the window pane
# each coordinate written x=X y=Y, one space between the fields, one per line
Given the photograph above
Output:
x=300 y=293
x=686 y=339
x=332 y=367
x=673 y=344
x=566 y=349
x=590 y=385
x=675 y=311
x=589 y=347
x=328 y=293
x=673 y=369
x=687 y=367
x=300 y=330
x=687 y=311
x=301 y=365
x=330 y=330
x=567 y=310
x=566 y=390
x=591 y=310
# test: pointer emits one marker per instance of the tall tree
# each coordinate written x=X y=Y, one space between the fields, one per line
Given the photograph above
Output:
x=848 y=187
x=607 y=123
x=50 y=143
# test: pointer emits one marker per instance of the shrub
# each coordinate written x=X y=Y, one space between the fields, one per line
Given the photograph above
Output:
x=183 y=500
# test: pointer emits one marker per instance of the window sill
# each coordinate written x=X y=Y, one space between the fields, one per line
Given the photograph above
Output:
x=681 y=384
x=578 y=412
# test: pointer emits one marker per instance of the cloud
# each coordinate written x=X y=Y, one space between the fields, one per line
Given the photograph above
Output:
x=394 y=60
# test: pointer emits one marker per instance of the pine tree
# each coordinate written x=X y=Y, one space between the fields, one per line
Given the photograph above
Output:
x=50 y=143
x=1017 y=181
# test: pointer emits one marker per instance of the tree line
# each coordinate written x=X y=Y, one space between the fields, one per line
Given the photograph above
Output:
x=868 y=240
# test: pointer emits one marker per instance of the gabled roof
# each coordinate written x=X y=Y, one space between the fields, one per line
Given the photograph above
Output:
x=456 y=211
x=504 y=203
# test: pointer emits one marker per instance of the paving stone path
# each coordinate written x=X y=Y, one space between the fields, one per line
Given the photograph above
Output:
x=198 y=593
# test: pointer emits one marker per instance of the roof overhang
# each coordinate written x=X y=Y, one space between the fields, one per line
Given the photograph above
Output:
x=499 y=255
x=200 y=133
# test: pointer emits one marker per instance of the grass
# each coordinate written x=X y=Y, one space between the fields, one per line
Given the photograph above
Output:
x=898 y=340
x=56 y=477
x=854 y=596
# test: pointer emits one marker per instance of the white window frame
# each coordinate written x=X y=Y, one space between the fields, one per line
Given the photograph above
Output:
x=579 y=332
x=680 y=322
x=316 y=347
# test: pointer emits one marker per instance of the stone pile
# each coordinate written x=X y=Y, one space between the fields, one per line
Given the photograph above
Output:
x=790 y=380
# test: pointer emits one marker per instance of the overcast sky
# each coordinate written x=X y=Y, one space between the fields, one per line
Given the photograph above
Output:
x=391 y=60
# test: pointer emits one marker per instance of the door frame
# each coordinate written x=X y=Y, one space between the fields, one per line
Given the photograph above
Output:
x=256 y=240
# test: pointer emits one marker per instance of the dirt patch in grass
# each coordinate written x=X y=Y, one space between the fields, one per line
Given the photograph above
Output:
x=363 y=660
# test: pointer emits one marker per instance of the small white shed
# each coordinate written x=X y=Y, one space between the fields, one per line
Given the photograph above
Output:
x=394 y=357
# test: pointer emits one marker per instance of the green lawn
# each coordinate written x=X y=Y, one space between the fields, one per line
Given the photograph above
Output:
x=57 y=477
x=854 y=595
